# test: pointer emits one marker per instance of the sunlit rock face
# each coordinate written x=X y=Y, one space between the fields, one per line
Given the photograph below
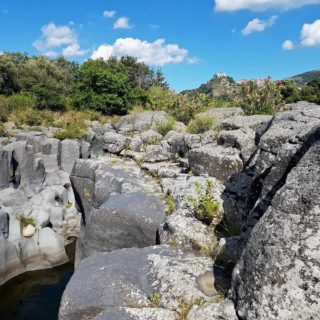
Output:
x=38 y=213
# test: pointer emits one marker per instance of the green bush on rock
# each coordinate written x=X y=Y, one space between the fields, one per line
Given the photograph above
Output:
x=164 y=127
x=206 y=207
x=200 y=124
x=260 y=97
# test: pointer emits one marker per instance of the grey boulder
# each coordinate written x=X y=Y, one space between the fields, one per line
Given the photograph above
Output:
x=122 y=281
x=140 y=122
x=124 y=221
x=215 y=161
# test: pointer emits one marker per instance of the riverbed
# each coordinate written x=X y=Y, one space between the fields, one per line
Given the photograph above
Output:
x=36 y=295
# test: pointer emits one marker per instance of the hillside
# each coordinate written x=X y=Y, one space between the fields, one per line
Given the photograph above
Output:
x=305 y=77
x=219 y=86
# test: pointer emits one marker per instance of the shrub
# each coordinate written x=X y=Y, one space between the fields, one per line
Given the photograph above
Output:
x=3 y=133
x=289 y=90
x=71 y=132
x=182 y=107
x=184 y=309
x=206 y=207
x=200 y=124
x=155 y=299
x=69 y=205
x=219 y=103
x=226 y=260
x=164 y=127
x=311 y=91
x=17 y=102
x=47 y=98
x=25 y=221
x=30 y=117
x=260 y=97
x=207 y=250
x=170 y=205
x=231 y=224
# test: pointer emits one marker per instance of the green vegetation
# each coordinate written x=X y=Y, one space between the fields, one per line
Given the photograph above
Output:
x=69 y=205
x=220 y=87
x=71 y=132
x=232 y=223
x=170 y=204
x=182 y=107
x=260 y=98
x=311 y=92
x=226 y=260
x=200 y=124
x=184 y=309
x=306 y=77
x=154 y=141
x=25 y=221
x=164 y=127
x=39 y=91
x=206 y=207
x=3 y=133
x=207 y=250
x=155 y=299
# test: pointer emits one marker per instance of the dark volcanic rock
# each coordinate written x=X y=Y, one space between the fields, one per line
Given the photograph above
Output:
x=124 y=221
x=117 y=209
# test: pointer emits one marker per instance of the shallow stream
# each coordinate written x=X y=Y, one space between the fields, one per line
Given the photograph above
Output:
x=36 y=295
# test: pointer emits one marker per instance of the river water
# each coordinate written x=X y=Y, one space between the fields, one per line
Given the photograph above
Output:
x=36 y=295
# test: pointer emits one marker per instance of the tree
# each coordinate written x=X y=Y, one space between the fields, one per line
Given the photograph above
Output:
x=103 y=89
x=8 y=75
x=289 y=90
x=311 y=91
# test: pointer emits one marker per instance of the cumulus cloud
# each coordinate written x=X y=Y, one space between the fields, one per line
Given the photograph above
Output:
x=310 y=34
x=257 y=25
x=73 y=50
x=109 y=14
x=156 y=53
x=260 y=5
x=287 y=45
x=54 y=36
x=58 y=37
x=122 y=23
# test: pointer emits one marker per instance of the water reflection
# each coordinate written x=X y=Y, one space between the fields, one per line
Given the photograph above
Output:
x=35 y=295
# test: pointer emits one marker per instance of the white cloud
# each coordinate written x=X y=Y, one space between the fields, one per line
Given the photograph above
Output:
x=109 y=14
x=122 y=23
x=73 y=50
x=156 y=53
x=58 y=37
x=287 y=45
x=260 y=5
x=51 y=54
x=257 y=25
x=54 y=36
x=310 y=34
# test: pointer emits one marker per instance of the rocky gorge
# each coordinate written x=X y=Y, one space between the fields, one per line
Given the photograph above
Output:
x=134 y=199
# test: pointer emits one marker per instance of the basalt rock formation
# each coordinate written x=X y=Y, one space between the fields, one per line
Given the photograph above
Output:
x=143 y=250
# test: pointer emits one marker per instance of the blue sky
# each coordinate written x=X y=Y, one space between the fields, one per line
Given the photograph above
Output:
x=197 y=37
